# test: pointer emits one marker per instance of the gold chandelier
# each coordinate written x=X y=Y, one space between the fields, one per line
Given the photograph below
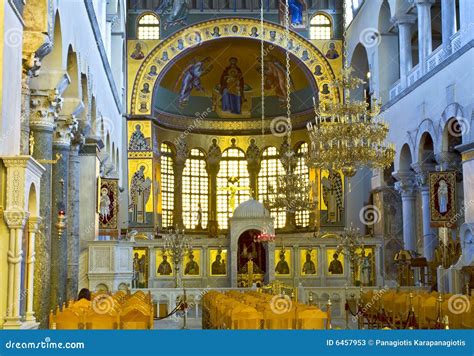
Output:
x=350 y=134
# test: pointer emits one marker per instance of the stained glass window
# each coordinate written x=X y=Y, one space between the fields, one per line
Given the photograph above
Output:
x=148 y=27
x=233 y=165
x=195 y=190
x=320 y=27
x=270 y=169
x=302 y=216
x=167 y=186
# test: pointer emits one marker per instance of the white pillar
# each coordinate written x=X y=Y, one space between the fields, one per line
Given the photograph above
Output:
x=16 y=222
x=33 y=226
x=406 y=187
x=404 y=24
x=430 y=240
x=468 y=181
x=425 y=46
x=448 y=18
x=466 y=15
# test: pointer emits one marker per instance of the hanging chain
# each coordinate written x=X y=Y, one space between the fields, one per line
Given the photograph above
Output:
x=262 y=68
x=288 y=78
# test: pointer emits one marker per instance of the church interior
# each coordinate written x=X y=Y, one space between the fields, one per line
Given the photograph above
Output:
x=236 y=164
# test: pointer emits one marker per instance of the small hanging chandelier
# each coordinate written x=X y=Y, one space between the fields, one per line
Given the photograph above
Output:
x=349 y=135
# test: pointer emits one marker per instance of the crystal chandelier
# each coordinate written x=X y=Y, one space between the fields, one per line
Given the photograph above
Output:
x=350 y=134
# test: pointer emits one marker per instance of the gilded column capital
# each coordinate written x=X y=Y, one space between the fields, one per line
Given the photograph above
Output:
x=34 y=223
x=15 y=219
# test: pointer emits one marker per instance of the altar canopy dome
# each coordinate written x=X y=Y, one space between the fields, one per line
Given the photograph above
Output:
x=251 y=209
x=222 y=79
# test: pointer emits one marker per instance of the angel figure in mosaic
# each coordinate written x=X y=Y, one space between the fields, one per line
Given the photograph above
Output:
x=191 y=79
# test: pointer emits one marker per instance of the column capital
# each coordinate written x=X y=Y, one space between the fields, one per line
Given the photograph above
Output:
x=34 y=223
x=63 y=134
x=15 y=219
x=422 y=173
x=406 y=183
x=45 y=107
x=403 y=19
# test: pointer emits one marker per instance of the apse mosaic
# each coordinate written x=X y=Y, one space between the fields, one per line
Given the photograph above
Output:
x=228 y=82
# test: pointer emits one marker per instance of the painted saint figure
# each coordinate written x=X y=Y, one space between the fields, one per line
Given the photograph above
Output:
x=365 y=269
x=137 y=53
x=296 y=12
x=333 y=196
x=191 y=79
x=136 y=268
x=140 y=189
x=232 y=88
x=335 y=267
x=176 y=11
x=282 y=266
x=309 y=267
x=192 y=268
x=104 y=209
x=332 y=52
x=138 y=142
x=275 y=78
x=164 y=269
x=218 y=266
x=442 y=194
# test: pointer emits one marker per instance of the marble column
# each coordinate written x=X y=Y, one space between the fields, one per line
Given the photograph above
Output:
x=406 y=187
x=33 y=228
x=45 y=105
x=16 y=223
x=468 y=181
x=253 y=167
x=425 y=44
x=213 y=159
x=430 y=238
x=179 y=162
x=60 y=185
x=448 y=19
x=73 y=212
x=404 y=24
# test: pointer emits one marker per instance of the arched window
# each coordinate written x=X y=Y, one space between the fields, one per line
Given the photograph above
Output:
x=167 y=186
x=195 y=190
x=148 y=27
x=302 y=216
x=233 y=165
x=320 y=27
x=270 y=169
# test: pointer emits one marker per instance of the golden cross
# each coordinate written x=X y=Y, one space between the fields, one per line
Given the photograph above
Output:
x=233 y=188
